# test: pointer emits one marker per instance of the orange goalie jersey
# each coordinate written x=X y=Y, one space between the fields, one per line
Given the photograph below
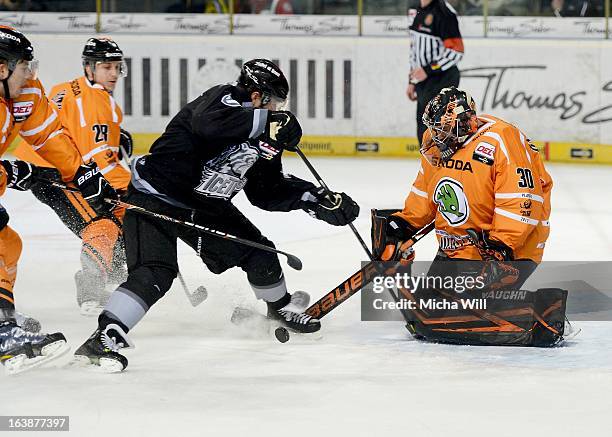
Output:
x=495 y=182
x=91 y=117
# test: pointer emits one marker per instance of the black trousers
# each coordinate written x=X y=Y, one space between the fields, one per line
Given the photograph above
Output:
x=428 y=89
x=151 y=245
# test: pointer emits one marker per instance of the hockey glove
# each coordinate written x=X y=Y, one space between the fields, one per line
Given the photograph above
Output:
x=397 y=232
x=337 y=209
x=125 y=144
x=496 y=271
x=20 y=175
x=4 y=217
x=95 y=188
x=283 y=130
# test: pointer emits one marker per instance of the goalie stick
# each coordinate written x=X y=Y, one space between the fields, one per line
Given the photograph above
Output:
x=356 y=282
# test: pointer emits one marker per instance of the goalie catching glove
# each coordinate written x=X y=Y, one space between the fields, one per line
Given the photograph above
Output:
x=337 y=209
x=397 y=233
x=283 y=130
x=20 y=175
x=497 y=271
x=95 y=188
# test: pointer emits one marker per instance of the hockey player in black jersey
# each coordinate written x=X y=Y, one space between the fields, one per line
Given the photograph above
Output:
x=229 y=139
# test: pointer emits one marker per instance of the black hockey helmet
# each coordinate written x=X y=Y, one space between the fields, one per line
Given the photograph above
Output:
x=450 y=120
x=103 y=50
x=15 y=47
x=264 y=76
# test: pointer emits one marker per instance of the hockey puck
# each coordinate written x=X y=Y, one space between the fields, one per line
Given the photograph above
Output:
x=281 y=334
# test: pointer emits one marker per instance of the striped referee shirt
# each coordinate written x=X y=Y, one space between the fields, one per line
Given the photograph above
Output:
x=436 y=43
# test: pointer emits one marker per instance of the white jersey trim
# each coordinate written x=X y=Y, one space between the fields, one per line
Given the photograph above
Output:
x=53 y=134
x=30 y=91
x=79 y=103
x=518 y=218
x=41 y=127
x=498 y=138
x=108 y=168
x=519 y=196
x=93 y=152
x=418 y=192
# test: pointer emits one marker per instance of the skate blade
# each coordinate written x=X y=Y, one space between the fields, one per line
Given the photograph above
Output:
x=255 y=324
x=105 y=365
x=91 y=309
x=21 y=363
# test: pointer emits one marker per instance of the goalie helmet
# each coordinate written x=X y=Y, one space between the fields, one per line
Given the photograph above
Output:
x=450 y=120
x=264 y=76
x=103 y=50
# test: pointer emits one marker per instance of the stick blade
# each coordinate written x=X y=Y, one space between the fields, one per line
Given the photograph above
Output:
x=198 y=296
x=294 y=262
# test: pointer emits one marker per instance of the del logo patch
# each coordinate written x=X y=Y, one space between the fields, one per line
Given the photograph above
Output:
x=451 y=201
x=22 y=110
x=485 y=153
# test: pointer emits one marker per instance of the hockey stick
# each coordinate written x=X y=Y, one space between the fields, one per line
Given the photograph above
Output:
x=365 y=273
x=198 y=296
x=357 y=281
x=293 y=261
x=326 y=188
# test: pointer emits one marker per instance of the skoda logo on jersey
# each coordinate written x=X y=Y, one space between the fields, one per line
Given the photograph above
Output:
x=451 y=201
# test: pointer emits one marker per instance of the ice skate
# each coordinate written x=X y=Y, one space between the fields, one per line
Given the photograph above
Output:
x=298 y=321
x=293 y=317
x=101 y=350
x=21 y=350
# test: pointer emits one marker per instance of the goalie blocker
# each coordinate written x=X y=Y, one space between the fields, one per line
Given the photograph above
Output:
x=502 y=316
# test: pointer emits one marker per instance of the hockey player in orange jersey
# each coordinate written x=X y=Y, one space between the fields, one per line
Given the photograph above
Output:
x=25 y=111
x=486 y=188
x=91 y=117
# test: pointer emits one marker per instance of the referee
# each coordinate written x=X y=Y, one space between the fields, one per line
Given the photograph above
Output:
x=436 y=49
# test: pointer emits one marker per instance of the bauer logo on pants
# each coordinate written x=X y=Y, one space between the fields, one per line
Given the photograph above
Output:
x=451 y=201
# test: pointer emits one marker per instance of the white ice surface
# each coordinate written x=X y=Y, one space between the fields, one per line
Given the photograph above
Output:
x=193 y=374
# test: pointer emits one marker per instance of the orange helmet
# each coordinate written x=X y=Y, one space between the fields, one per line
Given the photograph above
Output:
x=450 y=119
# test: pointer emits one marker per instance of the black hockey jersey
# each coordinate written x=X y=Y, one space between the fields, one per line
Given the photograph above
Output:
x=210 y=151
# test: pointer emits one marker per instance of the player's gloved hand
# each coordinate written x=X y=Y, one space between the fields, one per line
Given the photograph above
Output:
x=4 y=217
x=283 y=130
x=337 y=209
x=20 y=175
x=95 y=188
x=397 y=248
x=125 y=143
x=497 y=272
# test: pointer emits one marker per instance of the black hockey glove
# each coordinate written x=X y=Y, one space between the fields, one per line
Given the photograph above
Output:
x=497 y=272
x=95 y=188
x=20 y=175
x=125 y=143
x=397 y=231
x=283 y=130
x=4 y=217
x=337 y=209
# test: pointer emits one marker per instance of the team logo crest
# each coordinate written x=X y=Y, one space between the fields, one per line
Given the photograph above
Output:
x=451 y=201
x=429 y=20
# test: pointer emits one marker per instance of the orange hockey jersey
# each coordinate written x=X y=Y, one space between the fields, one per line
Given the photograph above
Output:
x=31 y=116
x=495 y=182
x=92 y=118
